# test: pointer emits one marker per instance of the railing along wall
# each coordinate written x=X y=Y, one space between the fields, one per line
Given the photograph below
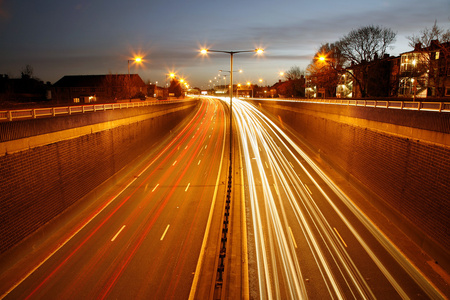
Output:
x=32 y=113
x=419 y=106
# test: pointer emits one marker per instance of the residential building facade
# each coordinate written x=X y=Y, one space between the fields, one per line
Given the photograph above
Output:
x=101 y=88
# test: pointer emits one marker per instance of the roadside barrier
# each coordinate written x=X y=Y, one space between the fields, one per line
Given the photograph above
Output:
x=33 y=113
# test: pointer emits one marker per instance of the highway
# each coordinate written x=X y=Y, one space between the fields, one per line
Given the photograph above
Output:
x=309 y=240
x=141 y=238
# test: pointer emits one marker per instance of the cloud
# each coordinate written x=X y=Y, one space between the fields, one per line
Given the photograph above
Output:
x=4 y=12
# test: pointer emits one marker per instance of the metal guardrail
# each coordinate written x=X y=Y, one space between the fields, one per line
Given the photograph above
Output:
x=419 y=106
x=32 y=113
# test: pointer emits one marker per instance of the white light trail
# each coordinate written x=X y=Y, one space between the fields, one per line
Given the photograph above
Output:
x=274 y=165
x=275 y=190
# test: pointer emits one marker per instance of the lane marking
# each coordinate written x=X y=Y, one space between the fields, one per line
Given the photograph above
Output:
x=185 y=147
x=118 y=232
x=174 y=163
x=199 y=162
x=165 y=231
x=342 y=240
x=111 y=200
x=293 y=239
x=201 y=256
x=309 y=191
x=267 y=166
x=206 y=146
x=276 y=189
x=155 y=188
x=187 y=187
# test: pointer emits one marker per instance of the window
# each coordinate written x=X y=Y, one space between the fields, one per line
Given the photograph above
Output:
x=76 y=100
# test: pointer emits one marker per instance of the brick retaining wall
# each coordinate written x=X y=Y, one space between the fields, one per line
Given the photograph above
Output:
x=38 y=184
x=409 y=173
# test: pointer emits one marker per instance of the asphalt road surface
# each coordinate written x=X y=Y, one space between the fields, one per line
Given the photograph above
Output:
x=142 y=239
x=143 y=235
x=308 y=239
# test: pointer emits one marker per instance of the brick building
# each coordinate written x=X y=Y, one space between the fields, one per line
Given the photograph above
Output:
x=102 y=88
x=420 y=73
x=425 y=71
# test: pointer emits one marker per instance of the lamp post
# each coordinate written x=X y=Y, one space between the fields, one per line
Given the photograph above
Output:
x=138 y=60
x=250 y=86
x=224 y=76
x=231 y=53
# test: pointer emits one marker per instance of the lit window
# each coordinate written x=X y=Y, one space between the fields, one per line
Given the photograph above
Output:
x=76 y=100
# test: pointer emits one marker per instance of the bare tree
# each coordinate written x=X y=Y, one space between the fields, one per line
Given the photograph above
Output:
x=360 y=47
x=325 y=68
x=366 y=43
x=427 y=35
x=27 y=72
x=432 y=45
x=294 y=73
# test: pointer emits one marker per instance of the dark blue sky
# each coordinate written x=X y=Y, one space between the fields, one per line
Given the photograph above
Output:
x=69 y=37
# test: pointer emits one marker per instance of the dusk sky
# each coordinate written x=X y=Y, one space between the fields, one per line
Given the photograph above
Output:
x=67 y=37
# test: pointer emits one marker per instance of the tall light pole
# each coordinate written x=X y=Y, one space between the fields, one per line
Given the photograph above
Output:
x=205 y=51
x=138 y=60
x=250 y=86
x=224 y=76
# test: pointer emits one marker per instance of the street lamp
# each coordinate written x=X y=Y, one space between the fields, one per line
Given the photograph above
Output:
x=137 y=60
x=224 y=76
x=205 y=51
x=250 y=86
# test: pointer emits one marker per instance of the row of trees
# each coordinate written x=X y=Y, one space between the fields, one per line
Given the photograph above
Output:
x=361 y=46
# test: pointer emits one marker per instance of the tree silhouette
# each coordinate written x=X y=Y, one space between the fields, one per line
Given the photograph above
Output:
x=175 y=88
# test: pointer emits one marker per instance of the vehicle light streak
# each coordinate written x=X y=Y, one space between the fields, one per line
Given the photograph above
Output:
x=152 y=219
x=279 y=271
x=340 y=237
x=136 y=185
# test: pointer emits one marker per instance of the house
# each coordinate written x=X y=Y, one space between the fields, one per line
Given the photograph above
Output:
x=24 y=89
x=101 y=88
x=377 y=78
x=425 y=71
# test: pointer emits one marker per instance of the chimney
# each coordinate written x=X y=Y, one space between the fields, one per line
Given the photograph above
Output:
x=434 y=44
x=418 y=46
